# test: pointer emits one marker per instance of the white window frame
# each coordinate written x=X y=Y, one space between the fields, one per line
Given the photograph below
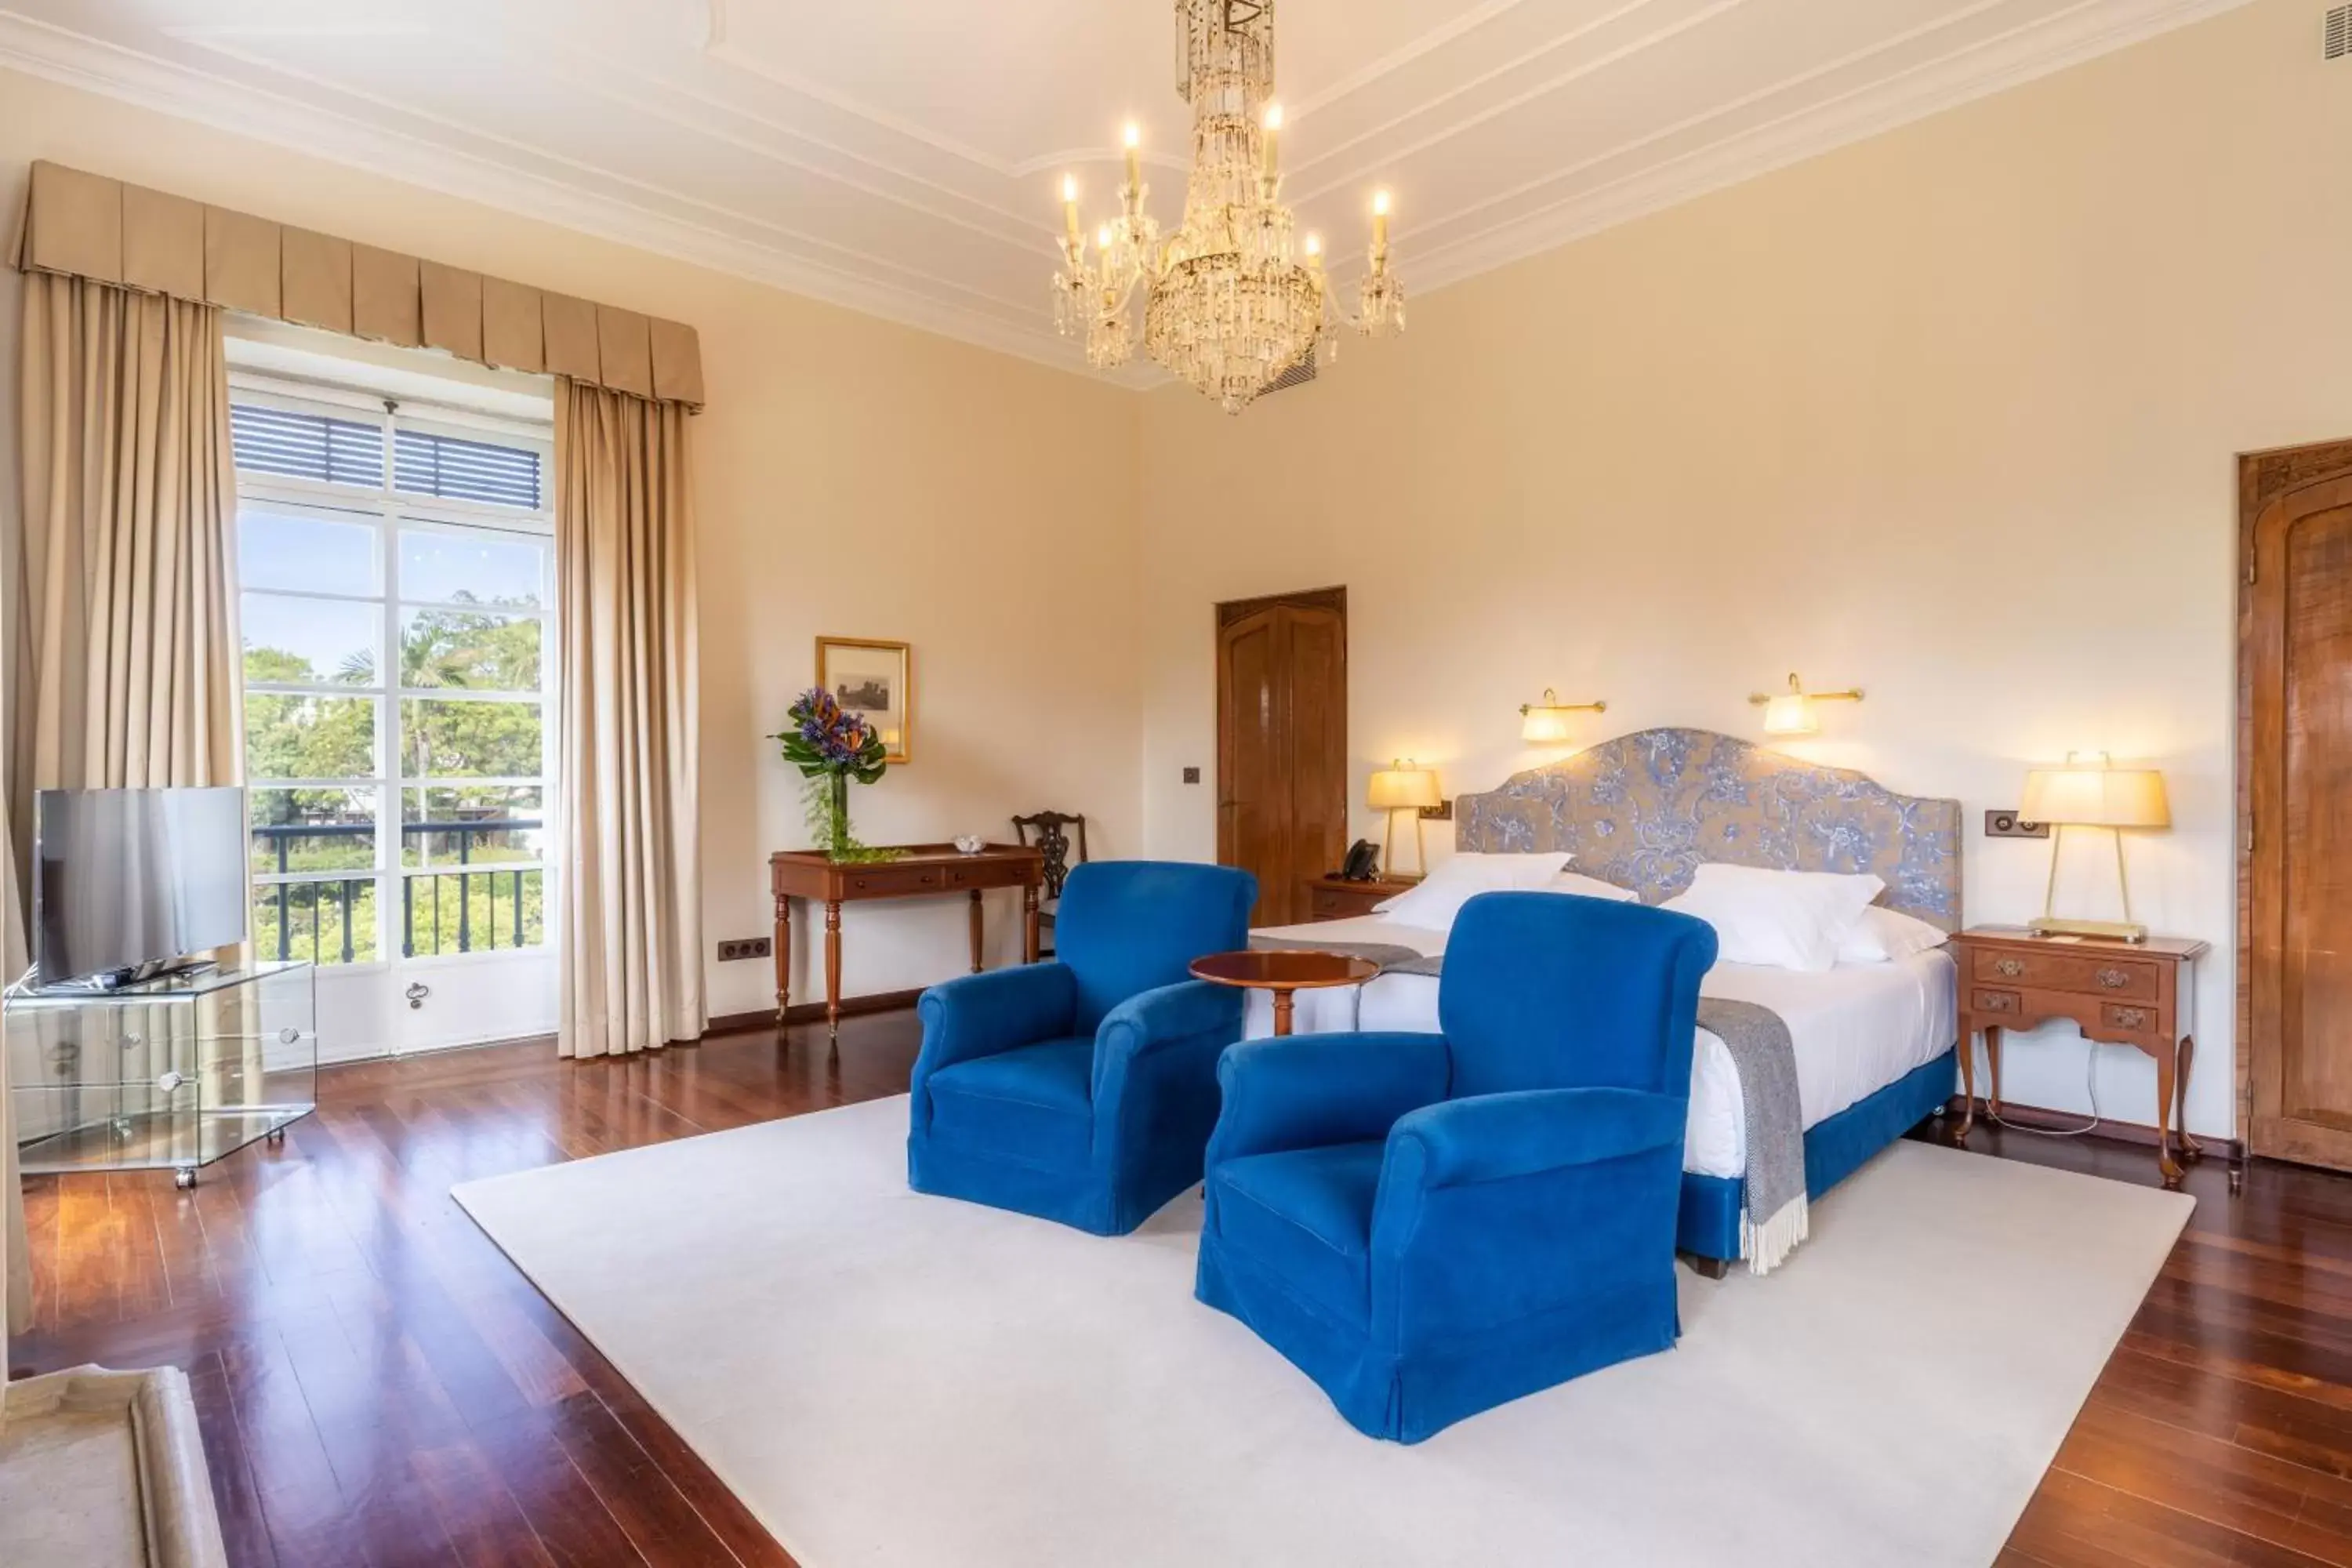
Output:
x=387 y=510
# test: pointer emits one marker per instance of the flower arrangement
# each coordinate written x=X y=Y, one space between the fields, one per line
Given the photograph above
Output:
x=832 y=746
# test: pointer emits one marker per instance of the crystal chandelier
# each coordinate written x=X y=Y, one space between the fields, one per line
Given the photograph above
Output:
x=1229 y=302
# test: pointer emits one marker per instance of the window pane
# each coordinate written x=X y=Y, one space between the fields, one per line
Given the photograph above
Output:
x=306 y=553
x=471 y=825
x=302 y=830
x=309 y=737
x=441 y=739
x=472 y=566
x=326 y=923
x=306 y=445
x=457 y=470
x=474 y=911
x=470 y=648
x=305 y=641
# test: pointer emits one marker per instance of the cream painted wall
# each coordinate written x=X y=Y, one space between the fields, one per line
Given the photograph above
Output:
x=855 y=477
x=1950 y=414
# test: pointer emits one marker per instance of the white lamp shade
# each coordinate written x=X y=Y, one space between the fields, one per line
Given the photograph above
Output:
x=1402 y=789
x=2096 y=797
x=1791 y=714
x=1544 y=726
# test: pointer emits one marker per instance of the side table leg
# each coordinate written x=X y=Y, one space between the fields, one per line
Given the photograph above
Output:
x=832 y=971
x=1282 y=1012
x=1029 y=922
x=2167 y=1090
x=783 y=957
x=1992 y=1065
x=975 y=930
x=1967 y=1081
x=2190 y=1148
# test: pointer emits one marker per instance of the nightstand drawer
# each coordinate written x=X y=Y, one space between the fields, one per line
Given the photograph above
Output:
x=1983 y=1001
x=2085 y=973
x=2137 y=1020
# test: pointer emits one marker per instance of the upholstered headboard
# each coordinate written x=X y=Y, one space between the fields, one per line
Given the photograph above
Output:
x=1643 y=810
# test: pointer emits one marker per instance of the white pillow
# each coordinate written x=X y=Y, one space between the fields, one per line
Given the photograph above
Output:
x=1883 y=935
x=1782 y=920
x=1591 y=888
x=1433 y=904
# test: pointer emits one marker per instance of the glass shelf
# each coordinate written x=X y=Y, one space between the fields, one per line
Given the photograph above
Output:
x=173 y=1073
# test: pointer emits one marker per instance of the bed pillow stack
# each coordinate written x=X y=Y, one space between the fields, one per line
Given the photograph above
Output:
x=1883 y=935
x=1782 y=919
x=1432 y=904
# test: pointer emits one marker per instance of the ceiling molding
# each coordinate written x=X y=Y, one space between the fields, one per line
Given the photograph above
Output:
x=55 y=54
x=1494 y=230
x=2091 y=29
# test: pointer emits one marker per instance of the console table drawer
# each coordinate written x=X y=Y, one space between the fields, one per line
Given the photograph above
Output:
x=880 y=881
x=1996 y=1002
x=2088 y=975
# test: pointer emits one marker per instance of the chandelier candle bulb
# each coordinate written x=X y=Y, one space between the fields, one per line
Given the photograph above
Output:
x=1380 y=222
x=1070 y=208
x=1134 y=156
x=1273 y=136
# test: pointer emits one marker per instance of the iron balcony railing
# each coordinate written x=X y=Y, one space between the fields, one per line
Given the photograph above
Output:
x=348 y=890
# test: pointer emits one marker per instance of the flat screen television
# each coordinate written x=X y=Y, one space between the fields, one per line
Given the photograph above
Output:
x=128 y=884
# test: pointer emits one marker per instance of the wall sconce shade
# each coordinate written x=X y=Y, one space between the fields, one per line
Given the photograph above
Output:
x=1547 y=723
x=1791 y=712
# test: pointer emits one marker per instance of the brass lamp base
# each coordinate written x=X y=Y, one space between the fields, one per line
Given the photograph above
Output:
x=2112 y=931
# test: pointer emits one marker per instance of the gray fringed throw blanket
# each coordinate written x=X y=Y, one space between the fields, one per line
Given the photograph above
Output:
x=1776 y=1216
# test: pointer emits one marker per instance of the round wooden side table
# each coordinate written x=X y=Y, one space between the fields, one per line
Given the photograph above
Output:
x=1283 y=970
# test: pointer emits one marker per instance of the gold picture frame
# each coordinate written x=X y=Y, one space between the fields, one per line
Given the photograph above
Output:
x=875 y=680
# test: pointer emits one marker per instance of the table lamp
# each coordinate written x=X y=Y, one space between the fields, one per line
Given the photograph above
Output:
x=1403 y=787
x=2087 y=792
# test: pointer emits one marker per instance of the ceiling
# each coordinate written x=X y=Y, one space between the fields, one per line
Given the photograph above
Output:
x=903 y=157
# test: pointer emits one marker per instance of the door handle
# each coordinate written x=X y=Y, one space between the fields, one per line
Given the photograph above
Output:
x=417 y=993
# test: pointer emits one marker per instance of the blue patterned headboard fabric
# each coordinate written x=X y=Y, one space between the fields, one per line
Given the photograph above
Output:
x=1644 y=810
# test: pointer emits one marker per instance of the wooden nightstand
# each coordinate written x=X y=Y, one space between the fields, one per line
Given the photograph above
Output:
x=2118 y=993
x=1335 y=899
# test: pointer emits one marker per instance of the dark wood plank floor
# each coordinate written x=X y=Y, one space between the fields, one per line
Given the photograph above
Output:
x=378 y=1386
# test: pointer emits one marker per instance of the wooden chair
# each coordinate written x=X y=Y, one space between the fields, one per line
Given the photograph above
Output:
x=1053 y=838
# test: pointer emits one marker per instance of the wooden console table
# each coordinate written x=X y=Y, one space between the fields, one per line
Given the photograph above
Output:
x=2117 y=993
x=921 y=871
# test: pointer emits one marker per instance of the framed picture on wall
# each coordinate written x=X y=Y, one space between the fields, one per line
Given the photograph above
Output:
x=875 y=680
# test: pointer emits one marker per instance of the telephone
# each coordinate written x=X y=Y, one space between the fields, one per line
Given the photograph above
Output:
x=1363 y=862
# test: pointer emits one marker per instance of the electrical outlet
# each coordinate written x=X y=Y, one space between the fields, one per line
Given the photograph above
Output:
x=1999 y=824
x=1192 y=776
x=749 y=947
x=1442 y=812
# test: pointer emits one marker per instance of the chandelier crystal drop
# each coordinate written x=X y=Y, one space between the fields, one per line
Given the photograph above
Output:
x=1233 y=299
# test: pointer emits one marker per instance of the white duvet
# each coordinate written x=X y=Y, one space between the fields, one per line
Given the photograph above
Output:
x=1856 y=1028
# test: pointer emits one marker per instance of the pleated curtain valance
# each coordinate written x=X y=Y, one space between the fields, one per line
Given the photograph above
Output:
x=87 y=226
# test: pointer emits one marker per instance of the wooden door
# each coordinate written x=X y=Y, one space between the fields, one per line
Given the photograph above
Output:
x=2296 y=660
x=1282 y=744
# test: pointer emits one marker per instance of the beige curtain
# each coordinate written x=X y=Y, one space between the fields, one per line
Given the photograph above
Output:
x=126 y=650
x=630 y=903
x=15 y=1263
x=122 y=632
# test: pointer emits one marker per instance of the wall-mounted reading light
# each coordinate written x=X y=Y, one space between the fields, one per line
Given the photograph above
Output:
x=1545 y=724
x=1791 y=712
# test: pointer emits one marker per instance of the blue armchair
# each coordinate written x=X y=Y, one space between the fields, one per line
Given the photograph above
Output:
x=1082 y=1090
x=1431 y=1224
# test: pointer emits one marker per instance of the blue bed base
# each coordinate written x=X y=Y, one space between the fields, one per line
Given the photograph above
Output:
x=1834 y=1150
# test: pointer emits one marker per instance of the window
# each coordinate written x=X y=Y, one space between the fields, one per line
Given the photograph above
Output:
x=398 y=657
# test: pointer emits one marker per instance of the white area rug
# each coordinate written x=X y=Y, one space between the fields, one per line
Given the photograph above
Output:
x=892 y=1380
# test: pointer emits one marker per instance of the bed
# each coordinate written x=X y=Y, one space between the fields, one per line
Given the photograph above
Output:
x=1873 y=1041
